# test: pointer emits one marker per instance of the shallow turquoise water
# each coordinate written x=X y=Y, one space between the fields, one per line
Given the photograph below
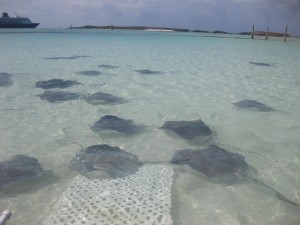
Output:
x=201 y=78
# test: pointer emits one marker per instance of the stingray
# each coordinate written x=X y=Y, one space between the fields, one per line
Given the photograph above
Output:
x=5 y=80
x=190 y=130
x=260 y=64
x=147 y=72
x=100 y=98
x=20 y=167
x=68 y=57
x=89 y=73
x=115 y=123
x=110 y=159
x=216 y=163
x=221 y=166
x=105 y=66
x=251 y=104
x=58 y=96
x=56 y=83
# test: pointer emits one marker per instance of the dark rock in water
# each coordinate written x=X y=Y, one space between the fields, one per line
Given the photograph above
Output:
x=5 y=80
x=56 y=83
x=116 y=124
x=58 y=96
x=148 y=72
x=189 y=129
x=105 y=66
x=112 y=160
x=260 y=64
x=89 y=73
x=216 y=163
x=68 y=57
x=100 y=98
x=19 y=168
x=245 y=104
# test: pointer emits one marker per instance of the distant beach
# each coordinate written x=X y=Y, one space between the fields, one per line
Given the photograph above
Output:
x=150 y=28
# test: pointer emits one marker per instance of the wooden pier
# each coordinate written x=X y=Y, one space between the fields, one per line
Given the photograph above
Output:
x=267 y=34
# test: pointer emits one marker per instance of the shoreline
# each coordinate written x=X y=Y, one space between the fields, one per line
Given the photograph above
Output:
x=150 y=28
x=111 y=27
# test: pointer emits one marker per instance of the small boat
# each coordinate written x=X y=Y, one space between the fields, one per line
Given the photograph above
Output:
x=16 y=22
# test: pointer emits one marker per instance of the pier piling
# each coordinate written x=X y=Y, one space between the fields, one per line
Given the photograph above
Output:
x=252 y=35
x=285 y=33
x=267 y=33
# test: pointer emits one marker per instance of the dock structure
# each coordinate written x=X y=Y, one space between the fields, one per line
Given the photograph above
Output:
x=267 y=34
x=285 y=33
x=252 y=35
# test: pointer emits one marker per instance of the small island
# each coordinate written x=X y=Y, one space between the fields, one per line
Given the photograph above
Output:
x=149 y=28
x=111 y=27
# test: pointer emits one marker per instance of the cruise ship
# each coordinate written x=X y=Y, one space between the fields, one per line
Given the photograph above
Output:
x=16 y=22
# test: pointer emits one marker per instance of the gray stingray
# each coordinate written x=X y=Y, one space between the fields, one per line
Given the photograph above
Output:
x=56 y=83
x=115 y=123
x=260 y=64
x=100 y=98
x=148 y=72
x=58 y=96
x=251 y=104
x=110 y=159
x=5 y=79
x=105 y=66
x=89 y=73
x=221 y=166
x=68 y=57
x=190 y=130
x=20 y=167
x=216 y=163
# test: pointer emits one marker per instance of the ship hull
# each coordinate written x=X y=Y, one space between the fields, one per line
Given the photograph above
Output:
x=31 y=25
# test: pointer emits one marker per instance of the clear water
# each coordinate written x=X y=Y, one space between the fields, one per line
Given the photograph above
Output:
x=201 y=78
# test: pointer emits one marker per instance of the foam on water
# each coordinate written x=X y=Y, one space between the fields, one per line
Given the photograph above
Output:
x=199 y=78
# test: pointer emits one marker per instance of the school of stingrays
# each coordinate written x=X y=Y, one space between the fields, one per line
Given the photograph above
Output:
x=217 y=164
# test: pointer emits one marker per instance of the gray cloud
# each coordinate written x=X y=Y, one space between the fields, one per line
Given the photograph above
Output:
x=230 y=15
x=284 y=5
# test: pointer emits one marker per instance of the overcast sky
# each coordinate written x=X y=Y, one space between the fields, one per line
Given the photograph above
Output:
x=227 y=15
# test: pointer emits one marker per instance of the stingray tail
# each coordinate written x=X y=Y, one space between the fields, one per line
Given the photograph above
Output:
x=283 y=198
x=277 y=193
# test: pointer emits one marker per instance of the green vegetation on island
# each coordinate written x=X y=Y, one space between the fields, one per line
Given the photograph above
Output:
x=112 y=27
